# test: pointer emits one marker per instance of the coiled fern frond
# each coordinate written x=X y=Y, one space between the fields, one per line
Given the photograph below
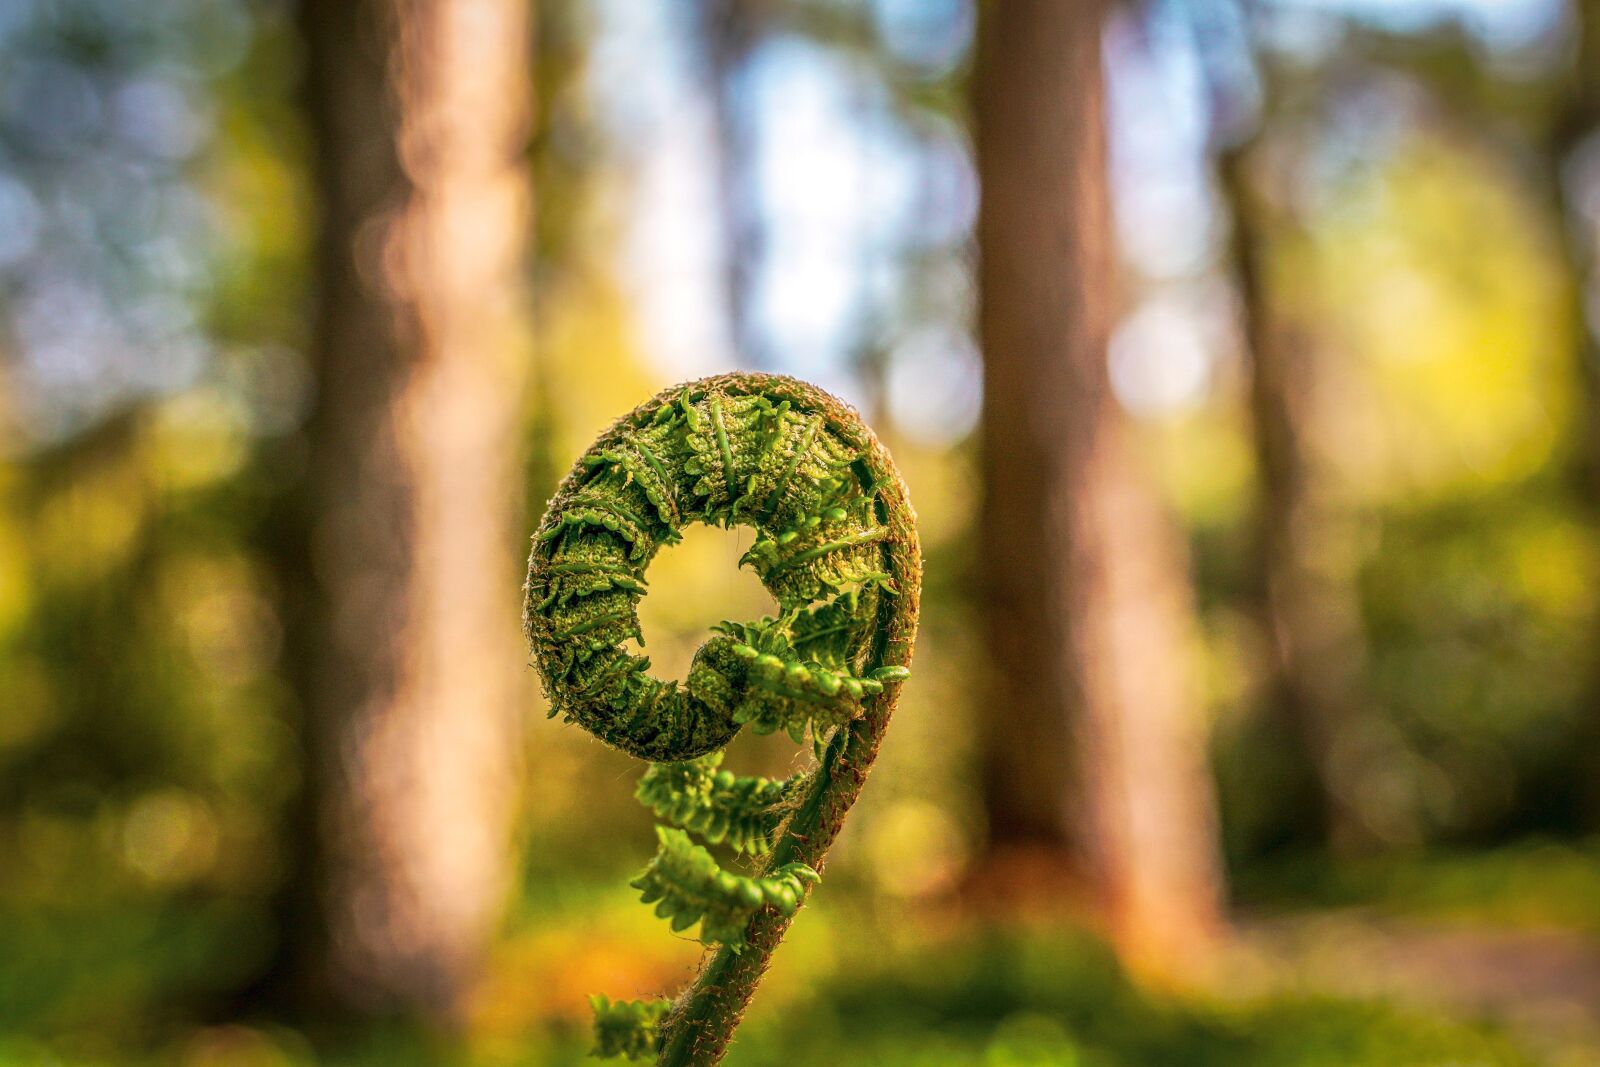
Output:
x=836 y=545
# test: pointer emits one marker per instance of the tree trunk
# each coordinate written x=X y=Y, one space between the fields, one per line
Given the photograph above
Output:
x=1094 y=743
x=1308 y=604
x=418 y=115
x=1577 y=119
x=728 y=32
x=1574 y=125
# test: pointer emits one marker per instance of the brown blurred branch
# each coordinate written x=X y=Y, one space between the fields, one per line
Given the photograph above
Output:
x=729 y=31
x=1575 y=120
x=1308 y=607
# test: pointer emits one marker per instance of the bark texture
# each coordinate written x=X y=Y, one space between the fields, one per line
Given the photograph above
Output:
x=1095 y=742
x=418 y=115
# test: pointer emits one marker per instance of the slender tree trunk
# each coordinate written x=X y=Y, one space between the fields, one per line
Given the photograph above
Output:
x=1577 y=119
x=728 y=33
x=1574 y=126
x=418 y=111
x=1308 y=603
x=1094 y=742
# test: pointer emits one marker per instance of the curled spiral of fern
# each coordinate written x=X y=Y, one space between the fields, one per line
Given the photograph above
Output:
x=836 y=545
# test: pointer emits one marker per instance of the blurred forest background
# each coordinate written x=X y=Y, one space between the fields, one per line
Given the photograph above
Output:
x=1252 y=414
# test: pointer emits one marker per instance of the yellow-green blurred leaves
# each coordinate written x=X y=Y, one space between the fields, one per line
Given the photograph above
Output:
x=1434 y=286
x=16 y=585
x=196 y=439
x=87 y=522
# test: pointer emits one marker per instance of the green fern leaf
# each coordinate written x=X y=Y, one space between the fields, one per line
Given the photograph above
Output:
x=630 y=1028
x=687 y=886
x=744 y=812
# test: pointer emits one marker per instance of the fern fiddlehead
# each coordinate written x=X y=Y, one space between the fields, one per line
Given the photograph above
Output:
x=836 y=545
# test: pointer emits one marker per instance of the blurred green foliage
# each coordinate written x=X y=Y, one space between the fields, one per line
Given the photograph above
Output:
x=990 y=997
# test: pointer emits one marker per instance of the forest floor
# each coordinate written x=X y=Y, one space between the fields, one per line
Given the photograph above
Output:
x=1544 y=983
x=1510 y=935
x=1486 y=960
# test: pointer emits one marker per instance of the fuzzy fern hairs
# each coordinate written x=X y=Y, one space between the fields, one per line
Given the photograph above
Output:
x=836 y=544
